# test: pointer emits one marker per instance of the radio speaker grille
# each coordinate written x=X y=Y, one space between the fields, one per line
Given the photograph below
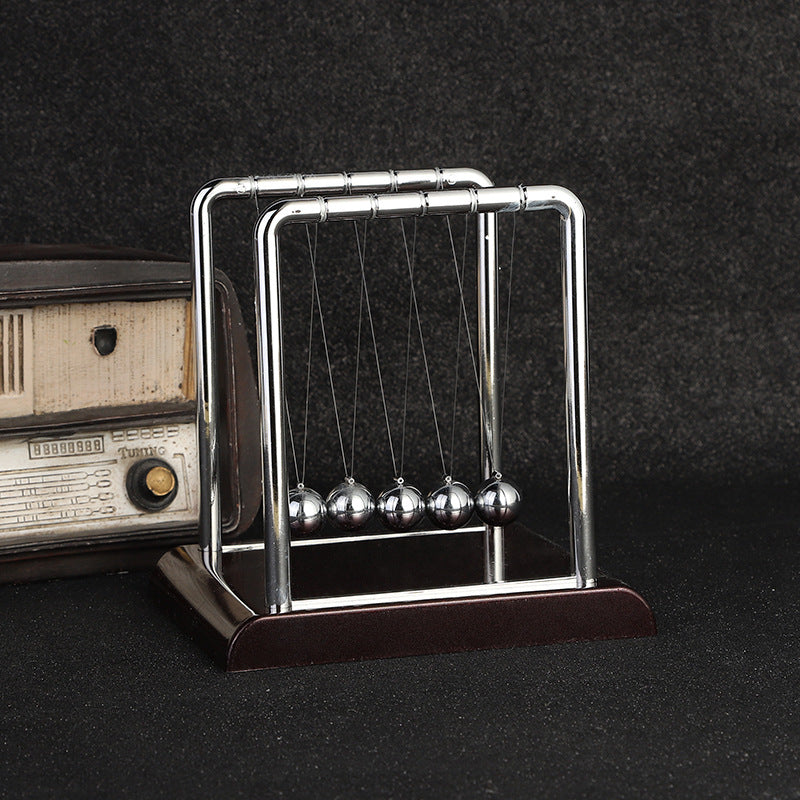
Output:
x=16 y=396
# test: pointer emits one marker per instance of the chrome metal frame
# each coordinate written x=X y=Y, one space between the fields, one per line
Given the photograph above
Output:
x=210 y=521
x=484 y=201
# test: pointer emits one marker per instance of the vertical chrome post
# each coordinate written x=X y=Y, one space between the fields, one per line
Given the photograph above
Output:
x=275 y=479
x=207 y=401
x=488 y=331
x=576 y=365
x=210 y=511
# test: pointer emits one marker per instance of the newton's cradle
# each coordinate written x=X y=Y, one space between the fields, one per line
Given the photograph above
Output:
x=360 y=574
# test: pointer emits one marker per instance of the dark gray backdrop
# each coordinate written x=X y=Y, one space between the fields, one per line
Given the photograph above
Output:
x=676 y=125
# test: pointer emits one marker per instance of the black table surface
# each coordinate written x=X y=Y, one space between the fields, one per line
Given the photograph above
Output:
x=103 y=696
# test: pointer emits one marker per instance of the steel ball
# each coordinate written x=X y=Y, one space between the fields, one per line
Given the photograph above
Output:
x=497 y=502
x=450 y=506
x=350 y=506
x=306 y=511
x=401 y=507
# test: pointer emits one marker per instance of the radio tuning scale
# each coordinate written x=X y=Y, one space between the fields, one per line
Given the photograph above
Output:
x=348 y=571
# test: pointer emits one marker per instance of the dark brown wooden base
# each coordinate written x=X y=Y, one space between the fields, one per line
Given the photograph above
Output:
x=240 y=640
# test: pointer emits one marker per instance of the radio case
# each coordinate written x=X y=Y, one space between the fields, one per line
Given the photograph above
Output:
x=98 y=440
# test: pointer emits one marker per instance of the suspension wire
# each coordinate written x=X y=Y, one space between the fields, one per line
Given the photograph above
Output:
x=361 y=254
x=463 y=305
x=458 y=337
x=408 y=353
x=358 y=358
x=459 y=279
x=312 y=252
x=422 y=342
x=508 y=320
x=308 y=384
x=291 y=439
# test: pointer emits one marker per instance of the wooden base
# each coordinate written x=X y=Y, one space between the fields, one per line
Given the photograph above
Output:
x=221 y=618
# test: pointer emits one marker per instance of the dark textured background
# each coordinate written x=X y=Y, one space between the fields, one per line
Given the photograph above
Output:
x=676 y=125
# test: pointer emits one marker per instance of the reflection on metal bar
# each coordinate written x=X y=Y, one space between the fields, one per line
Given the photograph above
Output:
x=488 y=361
x=443 y=593
x=337 y=538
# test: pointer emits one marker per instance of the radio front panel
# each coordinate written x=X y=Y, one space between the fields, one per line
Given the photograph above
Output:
x=101 y=484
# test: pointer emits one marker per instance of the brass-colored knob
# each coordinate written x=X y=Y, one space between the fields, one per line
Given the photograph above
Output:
x=152 y=484
x=160 y=481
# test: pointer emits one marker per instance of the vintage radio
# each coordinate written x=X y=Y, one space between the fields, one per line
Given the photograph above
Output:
x=98 y=437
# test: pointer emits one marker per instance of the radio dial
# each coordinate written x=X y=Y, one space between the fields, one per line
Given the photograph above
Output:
x=160 y=481
x=152 y=484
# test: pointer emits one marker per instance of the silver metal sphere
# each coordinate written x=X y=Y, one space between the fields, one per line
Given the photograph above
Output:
x=497 y=501
x=450 y=506
x=350 y=506
x=401 y=507
x=306 y=510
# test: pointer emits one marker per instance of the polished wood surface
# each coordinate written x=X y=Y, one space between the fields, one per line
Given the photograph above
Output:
x=241 y=639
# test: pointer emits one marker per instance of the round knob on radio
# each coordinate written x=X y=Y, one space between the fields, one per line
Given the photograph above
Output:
x=152 y=484
x=160 y=480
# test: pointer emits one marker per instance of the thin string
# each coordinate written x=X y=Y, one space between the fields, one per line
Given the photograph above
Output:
x=308 y=384
x=463 y=305
x=358 y=360
x=365 y=292
x=408 y=352
x=508 y=320
x=469 y=339
x=291 y=439
x=458 y=337
x=422 y=341
x=312 y=252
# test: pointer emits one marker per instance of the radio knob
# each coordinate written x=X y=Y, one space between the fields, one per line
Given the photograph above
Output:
x=160 y=481
x=152 y=484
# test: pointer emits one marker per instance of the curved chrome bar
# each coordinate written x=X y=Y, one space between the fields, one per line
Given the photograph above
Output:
x=484 y=201
x=210 y=522
x=210 y=512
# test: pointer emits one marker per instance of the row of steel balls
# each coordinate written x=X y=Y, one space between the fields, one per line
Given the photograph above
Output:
x=350 y=506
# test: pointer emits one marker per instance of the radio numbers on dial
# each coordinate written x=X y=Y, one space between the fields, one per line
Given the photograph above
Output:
x=65 y=447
